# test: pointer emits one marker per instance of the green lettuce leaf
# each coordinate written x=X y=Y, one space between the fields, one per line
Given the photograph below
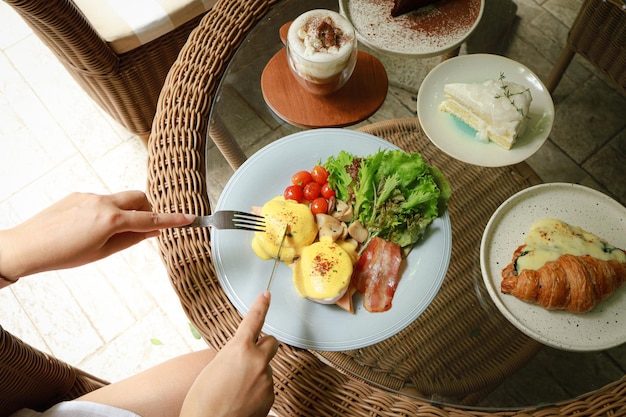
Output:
x=395 y=195
x=339 y=175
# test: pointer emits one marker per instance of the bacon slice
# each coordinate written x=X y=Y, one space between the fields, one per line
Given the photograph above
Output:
x=376 y=274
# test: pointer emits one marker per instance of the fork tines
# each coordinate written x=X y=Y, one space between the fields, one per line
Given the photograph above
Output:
x=249 y=221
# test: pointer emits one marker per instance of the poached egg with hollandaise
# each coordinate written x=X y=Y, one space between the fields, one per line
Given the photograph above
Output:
x=323 y=272
x=279 y=213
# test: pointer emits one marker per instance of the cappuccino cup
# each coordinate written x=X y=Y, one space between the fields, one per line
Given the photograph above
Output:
x=321 y=50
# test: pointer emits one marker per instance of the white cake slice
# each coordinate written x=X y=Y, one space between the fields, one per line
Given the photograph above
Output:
x=496 y=109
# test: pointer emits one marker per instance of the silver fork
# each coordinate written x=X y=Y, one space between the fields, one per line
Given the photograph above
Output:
x=231 y=219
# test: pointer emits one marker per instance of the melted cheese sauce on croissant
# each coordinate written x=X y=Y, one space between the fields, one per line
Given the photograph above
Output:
x=550 y=238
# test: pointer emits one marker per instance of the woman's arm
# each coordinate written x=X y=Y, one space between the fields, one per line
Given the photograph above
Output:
x=238 y=381
x=235 y=382
x=79 y=229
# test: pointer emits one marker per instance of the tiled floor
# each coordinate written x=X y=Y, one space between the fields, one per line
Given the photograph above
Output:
x=119 y=315
x=114 y=317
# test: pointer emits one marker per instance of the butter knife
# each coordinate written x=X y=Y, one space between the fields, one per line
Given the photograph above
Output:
x=277 y=260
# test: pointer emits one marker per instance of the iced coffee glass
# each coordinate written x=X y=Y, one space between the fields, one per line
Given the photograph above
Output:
x=321 y=50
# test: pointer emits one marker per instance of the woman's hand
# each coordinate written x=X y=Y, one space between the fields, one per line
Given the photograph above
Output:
x=79 y=229
x=238 y=381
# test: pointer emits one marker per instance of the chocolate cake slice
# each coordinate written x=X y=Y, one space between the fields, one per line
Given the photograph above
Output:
x=404 y=6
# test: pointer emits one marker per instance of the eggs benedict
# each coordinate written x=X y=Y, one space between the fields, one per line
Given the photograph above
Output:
x=278 y=214
x=323 y=272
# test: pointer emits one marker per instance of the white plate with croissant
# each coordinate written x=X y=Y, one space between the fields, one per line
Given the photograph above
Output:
x=540 y=306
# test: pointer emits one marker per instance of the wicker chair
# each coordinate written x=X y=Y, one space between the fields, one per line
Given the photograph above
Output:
x=599 y=35
x=125 y=85
x=32 y=379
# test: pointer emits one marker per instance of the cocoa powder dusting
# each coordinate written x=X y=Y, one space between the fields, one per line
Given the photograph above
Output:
x=326 y=32
x=424 y=30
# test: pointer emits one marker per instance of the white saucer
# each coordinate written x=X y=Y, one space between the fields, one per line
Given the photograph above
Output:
x=459 y=140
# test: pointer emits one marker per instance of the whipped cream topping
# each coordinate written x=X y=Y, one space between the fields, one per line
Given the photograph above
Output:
x=501 y=106
x=321 y=43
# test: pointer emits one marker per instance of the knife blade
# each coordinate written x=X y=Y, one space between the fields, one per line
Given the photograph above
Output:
x=277 y=260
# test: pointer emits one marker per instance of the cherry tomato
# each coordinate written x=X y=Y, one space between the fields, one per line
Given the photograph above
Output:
x=319 y=205
x=327 y=192
x=294 y=192
x=301 y=178
x=312 y=190
x=319 y=174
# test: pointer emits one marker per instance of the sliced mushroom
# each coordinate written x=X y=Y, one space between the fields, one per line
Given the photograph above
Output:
x=331 y=204
x=330 y=226
x=358 y=232
x=343 y=211
x=323 y=219
x=345 y=234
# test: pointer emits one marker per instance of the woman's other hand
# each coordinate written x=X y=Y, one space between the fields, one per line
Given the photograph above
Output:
x=79 y=229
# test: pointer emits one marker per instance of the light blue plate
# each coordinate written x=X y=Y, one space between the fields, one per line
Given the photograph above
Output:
x=294 y=320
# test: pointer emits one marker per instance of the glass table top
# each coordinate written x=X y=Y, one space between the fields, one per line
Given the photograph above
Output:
x=550 y=376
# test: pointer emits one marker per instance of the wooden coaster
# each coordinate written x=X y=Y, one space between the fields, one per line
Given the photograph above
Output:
x=357 y=100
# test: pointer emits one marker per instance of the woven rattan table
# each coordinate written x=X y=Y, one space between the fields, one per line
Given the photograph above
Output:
x=460 y=357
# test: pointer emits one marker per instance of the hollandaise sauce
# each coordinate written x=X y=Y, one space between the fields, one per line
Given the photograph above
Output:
x=548 y=239
x=323 y=272
x=278 y=214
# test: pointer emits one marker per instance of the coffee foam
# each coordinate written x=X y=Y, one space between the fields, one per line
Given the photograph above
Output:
x=311 y=58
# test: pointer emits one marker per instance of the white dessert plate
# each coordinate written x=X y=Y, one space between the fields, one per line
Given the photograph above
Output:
x=295 y=320
x=601 y=328
x=459 y=140
x=430 y=31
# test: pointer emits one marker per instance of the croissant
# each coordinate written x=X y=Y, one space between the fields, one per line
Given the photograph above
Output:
x=572 y=283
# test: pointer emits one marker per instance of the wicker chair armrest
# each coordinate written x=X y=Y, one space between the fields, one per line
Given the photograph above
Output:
x=30 y=378
x=176 y=149
x=598 y=34
x=67 y=32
